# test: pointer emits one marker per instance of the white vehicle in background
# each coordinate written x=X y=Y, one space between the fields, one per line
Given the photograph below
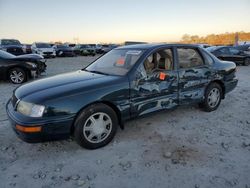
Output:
x=44 y=49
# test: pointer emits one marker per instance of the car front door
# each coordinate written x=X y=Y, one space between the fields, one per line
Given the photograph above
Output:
x=194 y=74
x=154 y=86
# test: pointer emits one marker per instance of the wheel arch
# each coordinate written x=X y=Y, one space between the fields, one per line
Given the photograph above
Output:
x=20 y=67
x=108 y=103
x=222 y=85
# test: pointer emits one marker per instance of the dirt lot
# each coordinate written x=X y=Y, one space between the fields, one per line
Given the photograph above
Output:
x=185 y=147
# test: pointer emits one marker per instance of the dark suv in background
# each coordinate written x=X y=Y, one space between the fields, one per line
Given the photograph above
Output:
x=12 y=46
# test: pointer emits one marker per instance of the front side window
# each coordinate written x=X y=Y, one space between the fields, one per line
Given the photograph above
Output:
x=189 y=57
x=116 y=62
x=161 y=60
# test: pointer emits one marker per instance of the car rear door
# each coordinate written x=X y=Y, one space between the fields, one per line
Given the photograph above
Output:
x=154 y=86
x=2 y=68
x=194 y=74
x=236 y=55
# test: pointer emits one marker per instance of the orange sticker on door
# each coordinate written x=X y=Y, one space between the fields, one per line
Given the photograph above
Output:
x=162 y=76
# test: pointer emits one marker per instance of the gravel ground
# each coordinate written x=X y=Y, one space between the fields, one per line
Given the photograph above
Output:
x=185 y=147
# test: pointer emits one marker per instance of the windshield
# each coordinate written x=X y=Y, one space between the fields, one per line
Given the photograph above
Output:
x=10 y=42
x=42 y=45
x=116 y=62
x=6 y=55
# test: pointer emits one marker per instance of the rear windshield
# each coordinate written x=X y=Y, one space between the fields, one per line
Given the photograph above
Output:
x=116 y=62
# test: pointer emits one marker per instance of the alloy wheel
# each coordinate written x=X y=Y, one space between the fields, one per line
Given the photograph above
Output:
x=17 y=76
x=214 y=97
x=97 y=127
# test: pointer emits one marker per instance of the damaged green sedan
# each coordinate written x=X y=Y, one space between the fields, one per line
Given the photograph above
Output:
x=127 y=82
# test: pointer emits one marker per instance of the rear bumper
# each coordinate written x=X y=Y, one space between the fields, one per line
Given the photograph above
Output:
x=230 y=85
x=52 y=129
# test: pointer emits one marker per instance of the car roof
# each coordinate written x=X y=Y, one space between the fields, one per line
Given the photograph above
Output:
x=153 y=45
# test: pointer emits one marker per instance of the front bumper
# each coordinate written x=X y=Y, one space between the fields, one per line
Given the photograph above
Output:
x=47 y=54
x=51 y=128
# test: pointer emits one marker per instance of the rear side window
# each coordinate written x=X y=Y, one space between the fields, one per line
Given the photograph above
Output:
x=208 y=59
x=234 y=51
x=189 y=57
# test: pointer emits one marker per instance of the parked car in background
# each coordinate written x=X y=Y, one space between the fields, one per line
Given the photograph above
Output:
x=245 y=48
x=229 y=53
x=204 y=45
x=43 y=49
x=70 y=45
x=133 y=43
x=12 y=46
x=27 y=48
x=127 y=82
x=84 y=49
x=63 y=50
x=108 y=47
x=99 y=49
x=19 y=69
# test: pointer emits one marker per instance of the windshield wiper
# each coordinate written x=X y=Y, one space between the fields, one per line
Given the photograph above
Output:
x=97 y=72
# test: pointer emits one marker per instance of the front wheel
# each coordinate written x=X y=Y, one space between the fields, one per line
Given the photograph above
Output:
x=17 y=75
x=95 y=126
x=212 y=96
x=247 y=61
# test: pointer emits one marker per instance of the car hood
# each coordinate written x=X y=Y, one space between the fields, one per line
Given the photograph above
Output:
x=28 y=56
x=63 y=85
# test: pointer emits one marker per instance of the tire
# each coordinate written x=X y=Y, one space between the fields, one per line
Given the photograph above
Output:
x=90 y=131
x=247 y=61
x=213 y=95
x=17 y=75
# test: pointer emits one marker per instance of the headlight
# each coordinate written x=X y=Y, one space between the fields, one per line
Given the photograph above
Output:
x=32 y=64
x=29 y=109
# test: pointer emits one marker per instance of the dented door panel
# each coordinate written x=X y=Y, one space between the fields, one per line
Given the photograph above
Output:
x=192 y=83
x=150 y=93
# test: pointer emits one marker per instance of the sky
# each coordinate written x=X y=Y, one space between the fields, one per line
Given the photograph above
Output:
x=116 y=21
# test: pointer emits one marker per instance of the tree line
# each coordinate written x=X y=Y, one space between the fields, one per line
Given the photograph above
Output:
x=217 y=39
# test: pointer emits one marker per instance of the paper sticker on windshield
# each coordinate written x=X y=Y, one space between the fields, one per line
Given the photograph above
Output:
x=120 y=61
x=133 y=52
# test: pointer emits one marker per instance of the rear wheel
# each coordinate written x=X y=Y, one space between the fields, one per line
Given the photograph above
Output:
x=247 y=61
x=213 y=96
x=17 y=75
x=95 y=126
